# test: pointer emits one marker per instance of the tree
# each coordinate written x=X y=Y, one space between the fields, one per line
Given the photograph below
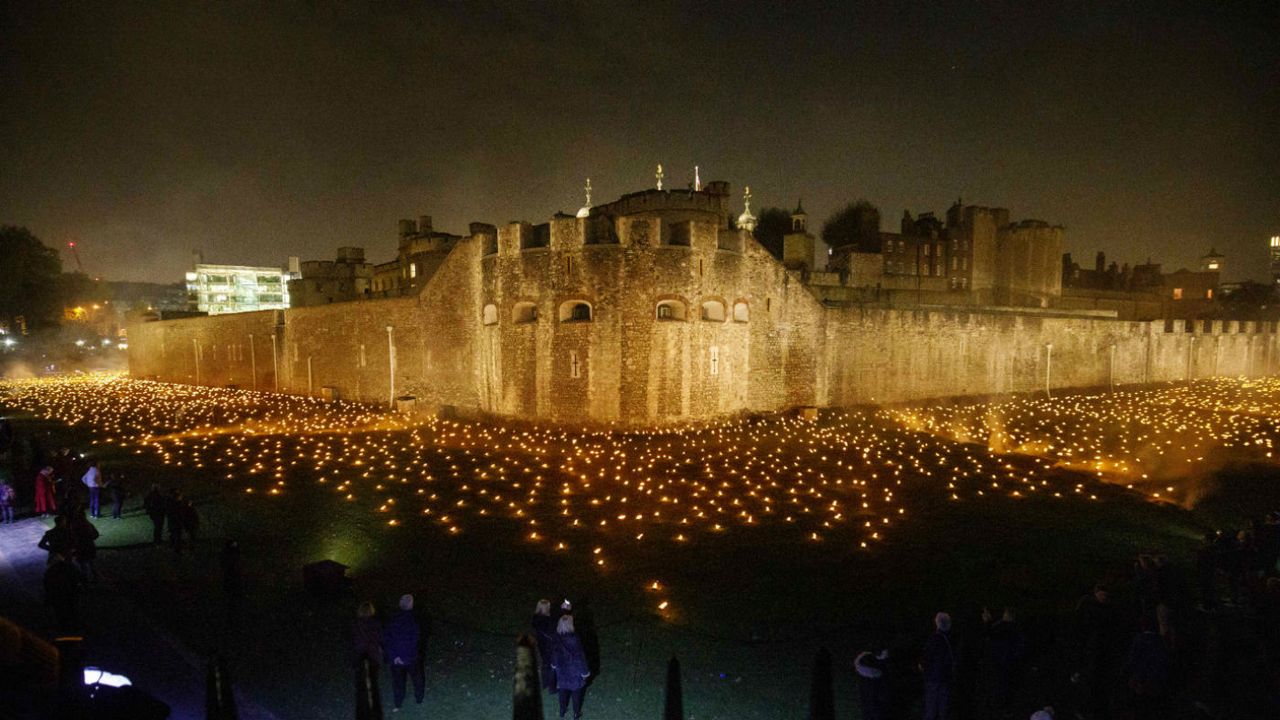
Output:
x=76 y=288
x=28 y=280
x=772 y=224
x=857 y=224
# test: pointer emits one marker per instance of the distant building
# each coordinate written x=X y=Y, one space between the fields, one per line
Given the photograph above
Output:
x=221 y=289
x=977 y=257
x=1144 y=292
x=1275 y=258
x=322 y=282
x=421 y=250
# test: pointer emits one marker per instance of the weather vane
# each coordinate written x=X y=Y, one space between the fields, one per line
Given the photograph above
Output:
x=746 y=198
x=588 y=190
x=697 y=179
x=658 y=175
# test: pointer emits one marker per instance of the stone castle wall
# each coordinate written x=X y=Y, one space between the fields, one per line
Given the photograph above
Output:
x=492 y=332
x=896 y=355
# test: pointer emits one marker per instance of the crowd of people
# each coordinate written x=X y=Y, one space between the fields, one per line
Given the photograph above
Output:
x=1164 y=647
x=75 y=491
x=567 y=653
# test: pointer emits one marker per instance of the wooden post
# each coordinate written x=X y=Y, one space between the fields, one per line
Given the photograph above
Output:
x=673 y=697
x=219 y=698
x=822 y=701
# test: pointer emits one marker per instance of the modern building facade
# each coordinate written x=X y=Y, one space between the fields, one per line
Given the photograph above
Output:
x=221 y=289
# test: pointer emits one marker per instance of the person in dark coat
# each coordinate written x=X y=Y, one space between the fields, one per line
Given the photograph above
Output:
x=1101 y=634
x=62 y=592
x=115 y=487
x=938 y=663
x=401 y=640
x=873 y=685
x=85 y=540
x=64 y=465
x=569 y=661
x=173 y=515
x=154 y=506
x=6 y=438
x=1002 y=650
x=367 y=636
x=1147 y=672
x=57 y=540
x=232 y=586
x=190 y=521
x=544 y=631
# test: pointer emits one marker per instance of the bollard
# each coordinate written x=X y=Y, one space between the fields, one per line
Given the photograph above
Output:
x=368 y=699
x=822 y=701
x=673 y=698
x=72 y=700
x=526 y=700
x=219 y=698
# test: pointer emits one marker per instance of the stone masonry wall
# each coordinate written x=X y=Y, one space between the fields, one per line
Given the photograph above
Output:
x=469 y=340
x=895 y=355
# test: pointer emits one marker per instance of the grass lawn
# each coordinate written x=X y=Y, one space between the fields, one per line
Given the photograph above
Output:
x=755 y=533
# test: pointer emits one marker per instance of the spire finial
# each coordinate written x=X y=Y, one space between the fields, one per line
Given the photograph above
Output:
x=658 y=176
x=585 y=210
x=746 y=220
x=697 y=179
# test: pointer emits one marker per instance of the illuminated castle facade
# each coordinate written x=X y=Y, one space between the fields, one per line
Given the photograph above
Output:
x=660 y=308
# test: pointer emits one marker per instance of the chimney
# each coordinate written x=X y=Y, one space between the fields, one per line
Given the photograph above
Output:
x=295 y=266
x=424 y=224
x=406 y=228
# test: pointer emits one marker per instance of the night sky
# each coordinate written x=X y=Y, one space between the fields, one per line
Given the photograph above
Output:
x=259 y=131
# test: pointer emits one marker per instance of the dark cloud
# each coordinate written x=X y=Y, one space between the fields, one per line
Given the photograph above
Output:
x=261 y=130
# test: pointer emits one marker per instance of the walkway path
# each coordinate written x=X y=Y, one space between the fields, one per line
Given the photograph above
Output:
x=120 y=638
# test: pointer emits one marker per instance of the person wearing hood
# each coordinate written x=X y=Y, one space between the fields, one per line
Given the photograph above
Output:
x=401 y=640
x=873 y=685
x=570 y=664
x=544 y=631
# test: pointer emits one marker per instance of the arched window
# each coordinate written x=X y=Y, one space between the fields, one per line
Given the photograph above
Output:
x=575 y=311
x=671 y=310
x=524 y=312
x=713 y=311
x=490 y=314
x=741 y=313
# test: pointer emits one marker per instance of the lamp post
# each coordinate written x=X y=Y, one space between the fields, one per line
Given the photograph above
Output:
x=275 y=364
x=1111 y=368
x=1048 y=368
x=391 y=361
x=253 y=364
x=195 y=353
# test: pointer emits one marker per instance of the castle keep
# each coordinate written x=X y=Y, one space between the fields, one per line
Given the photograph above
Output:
x=659 y=309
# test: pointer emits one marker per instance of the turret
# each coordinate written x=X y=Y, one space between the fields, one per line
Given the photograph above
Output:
x=799 y=219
